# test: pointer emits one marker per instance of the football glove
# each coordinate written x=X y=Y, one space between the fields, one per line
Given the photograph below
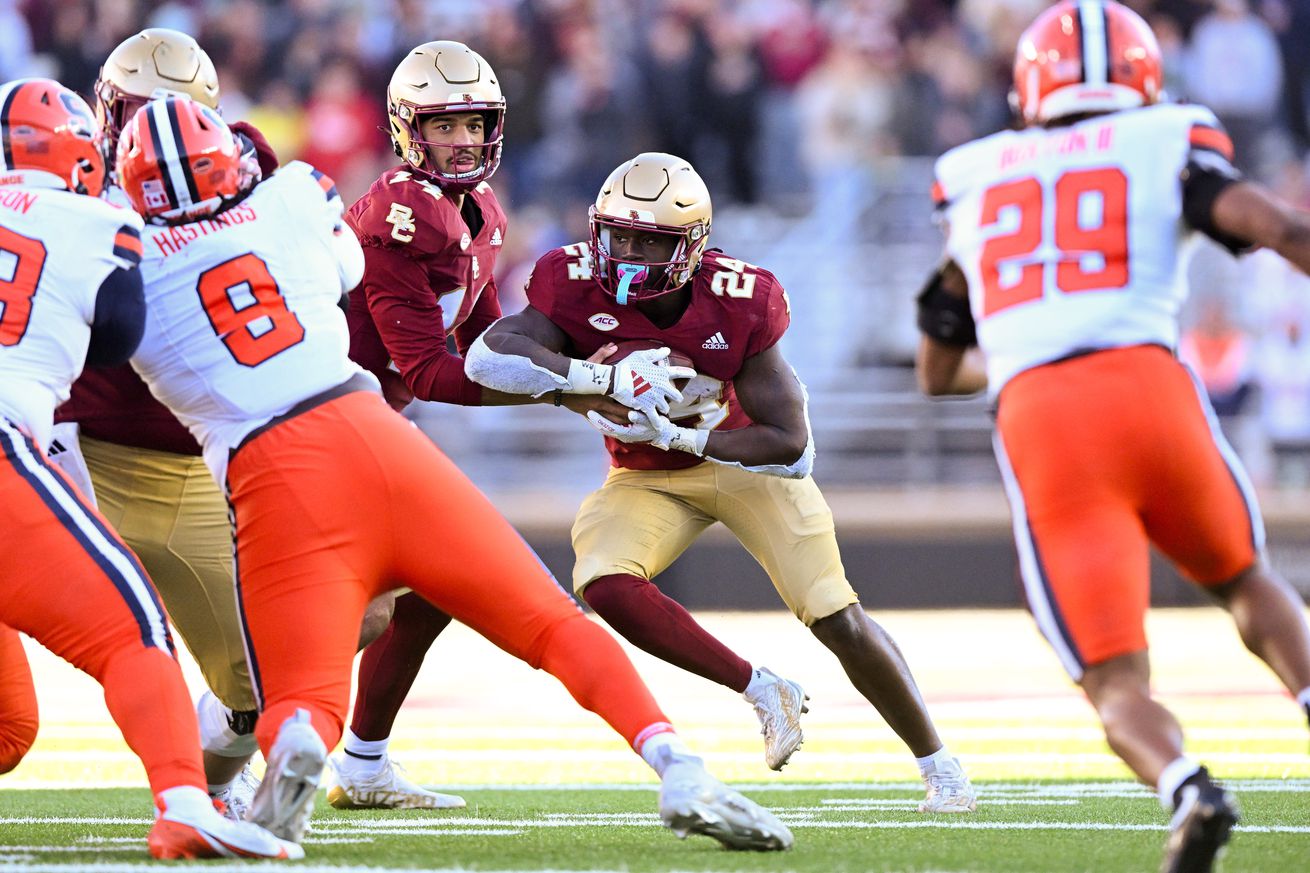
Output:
x=656 y=430
x=644 y=381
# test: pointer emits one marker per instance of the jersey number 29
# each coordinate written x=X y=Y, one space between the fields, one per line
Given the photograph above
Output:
x=1079 y=230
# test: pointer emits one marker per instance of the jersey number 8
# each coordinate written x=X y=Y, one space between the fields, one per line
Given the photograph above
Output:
x=247 y=310
x=21 y=261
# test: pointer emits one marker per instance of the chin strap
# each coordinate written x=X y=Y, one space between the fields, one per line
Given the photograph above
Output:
x=628 y=273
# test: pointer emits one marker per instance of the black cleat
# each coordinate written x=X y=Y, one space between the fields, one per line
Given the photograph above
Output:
x=1204 y=815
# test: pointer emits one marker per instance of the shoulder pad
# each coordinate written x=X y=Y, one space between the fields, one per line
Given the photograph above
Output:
x=405 y=211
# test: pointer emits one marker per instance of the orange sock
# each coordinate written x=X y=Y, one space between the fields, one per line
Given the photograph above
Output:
x=150 y=704
x=597 y=672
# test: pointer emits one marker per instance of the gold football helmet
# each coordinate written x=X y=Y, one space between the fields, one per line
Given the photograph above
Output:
x=658 y=194
x=438 y=78
x=156 y=59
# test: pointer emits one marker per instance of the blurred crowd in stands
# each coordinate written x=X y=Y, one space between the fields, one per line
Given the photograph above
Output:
x=791 y=106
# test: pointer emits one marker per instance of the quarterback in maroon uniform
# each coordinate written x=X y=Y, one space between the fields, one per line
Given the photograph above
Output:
x=431 y=230
x=647 y=275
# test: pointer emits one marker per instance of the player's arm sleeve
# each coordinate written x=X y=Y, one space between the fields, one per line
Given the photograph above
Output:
x=484 y=314
x=408 y=319
x=943 y=308
x=1209 y=171
x=255 y=141
x=120 y=318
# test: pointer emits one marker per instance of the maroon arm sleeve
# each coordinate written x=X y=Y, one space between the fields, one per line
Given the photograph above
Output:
x=485 y=311
x=408 y=319
x=263 y=151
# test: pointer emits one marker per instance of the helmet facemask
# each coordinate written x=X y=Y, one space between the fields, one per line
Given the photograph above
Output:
x=632 y=280
x=428 y=157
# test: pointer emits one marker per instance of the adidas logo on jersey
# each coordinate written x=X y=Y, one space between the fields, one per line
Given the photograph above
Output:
x=715 y=342
x=495 y=237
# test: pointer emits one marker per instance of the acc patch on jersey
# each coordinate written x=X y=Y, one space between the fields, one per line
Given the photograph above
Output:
x=603 y=321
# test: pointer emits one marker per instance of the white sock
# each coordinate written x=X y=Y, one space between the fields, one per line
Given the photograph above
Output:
x=940 y=760
x=215 y=790
x=759 y=681
x=216 y=734
x=364 y=756
x=1174 y=775
x=664 y=749
x=186 y=799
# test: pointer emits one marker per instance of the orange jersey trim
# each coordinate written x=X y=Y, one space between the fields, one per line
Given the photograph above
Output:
x=1211 y=138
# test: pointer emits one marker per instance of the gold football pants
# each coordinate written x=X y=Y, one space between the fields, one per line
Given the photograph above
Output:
x=640 y=521
x=168 y=508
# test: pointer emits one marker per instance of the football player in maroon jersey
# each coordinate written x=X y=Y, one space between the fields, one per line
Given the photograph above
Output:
x=647 y=275
x=431 y=229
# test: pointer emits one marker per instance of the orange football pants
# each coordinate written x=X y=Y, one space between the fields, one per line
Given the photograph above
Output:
x=348 y=500
x=1104 y=454
x=71 y=584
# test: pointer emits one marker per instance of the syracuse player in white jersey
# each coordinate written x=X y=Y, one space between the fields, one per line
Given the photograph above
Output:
x=70 y=292
x=335 y=497
x=1066 y=256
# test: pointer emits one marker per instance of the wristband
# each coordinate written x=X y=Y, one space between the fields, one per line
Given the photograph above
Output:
x=586 y=377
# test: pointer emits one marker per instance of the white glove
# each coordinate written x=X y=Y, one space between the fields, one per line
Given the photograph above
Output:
x=654 y=429
x=644 y=381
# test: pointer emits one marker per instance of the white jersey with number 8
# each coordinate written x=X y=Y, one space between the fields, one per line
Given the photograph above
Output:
x=1072 y=238
x=243 y=321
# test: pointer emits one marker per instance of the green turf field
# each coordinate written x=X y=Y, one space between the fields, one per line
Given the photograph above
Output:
x=549 y=788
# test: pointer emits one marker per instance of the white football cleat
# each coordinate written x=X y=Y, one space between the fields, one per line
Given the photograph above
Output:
x=285 y=798
x=779 y=706
x=694 y=802
x=388 y=788
x=237 y=796
x=201 y=832
x=949 y=790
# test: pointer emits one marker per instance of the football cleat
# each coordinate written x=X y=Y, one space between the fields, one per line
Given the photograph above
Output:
x=285 y=798
x=203 y=833
x=949 y=790
x=388 y=788
x=694 y=802
x=779 y=706
x=236 y=797
x=1202 y=822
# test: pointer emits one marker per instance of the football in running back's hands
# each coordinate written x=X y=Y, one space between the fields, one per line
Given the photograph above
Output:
x=675 y=358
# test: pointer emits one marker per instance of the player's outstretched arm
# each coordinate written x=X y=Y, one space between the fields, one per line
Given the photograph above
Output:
x=1249 y=211
x=947 y=332
x=521 y=355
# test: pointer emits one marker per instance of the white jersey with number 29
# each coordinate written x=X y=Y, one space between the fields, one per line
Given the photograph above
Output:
x=1072 y=238
x=243 y=321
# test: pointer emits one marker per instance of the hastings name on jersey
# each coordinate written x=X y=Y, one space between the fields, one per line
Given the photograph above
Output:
x=1072 y=237
x=56 y=248
x=243 y=321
